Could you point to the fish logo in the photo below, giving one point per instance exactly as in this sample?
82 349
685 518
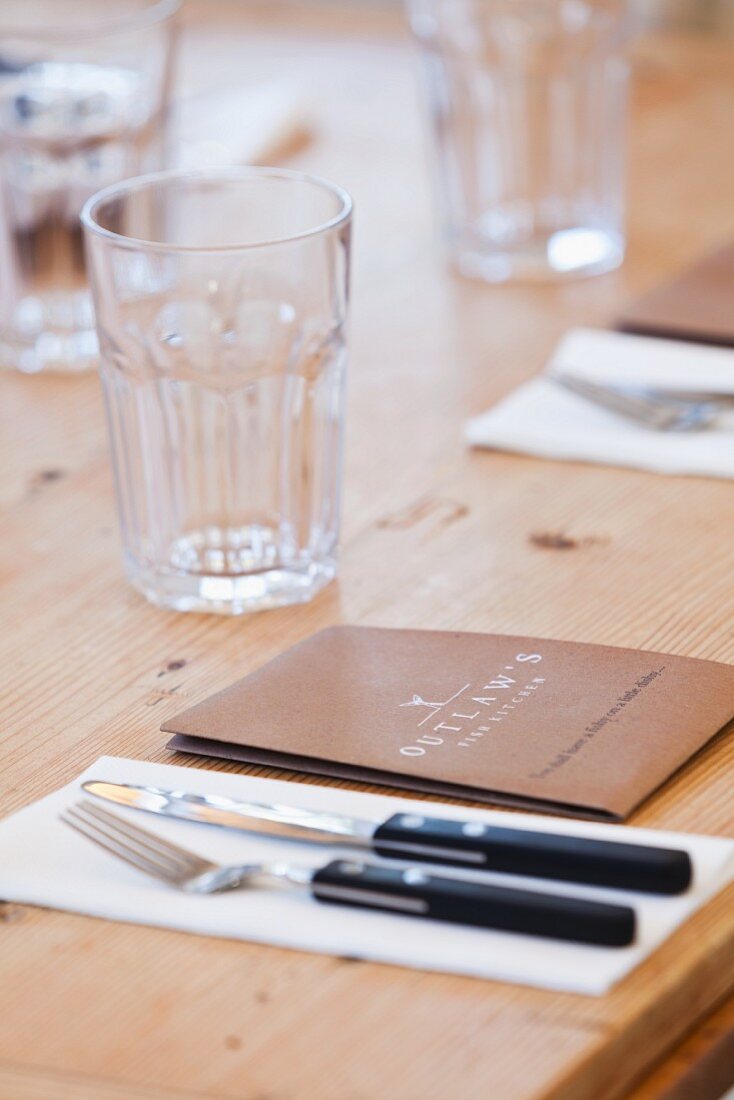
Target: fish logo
418 701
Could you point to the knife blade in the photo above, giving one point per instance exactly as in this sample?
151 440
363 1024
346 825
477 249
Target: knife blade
410 835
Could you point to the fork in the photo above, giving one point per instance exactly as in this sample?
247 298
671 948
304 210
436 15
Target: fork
401 890
664 412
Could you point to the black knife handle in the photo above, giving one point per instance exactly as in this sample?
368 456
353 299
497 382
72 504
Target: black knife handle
472 844
412 892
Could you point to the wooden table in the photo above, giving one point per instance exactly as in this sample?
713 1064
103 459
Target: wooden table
434 536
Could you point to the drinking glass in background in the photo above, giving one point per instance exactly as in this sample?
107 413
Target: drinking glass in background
84 89
221 302
528 104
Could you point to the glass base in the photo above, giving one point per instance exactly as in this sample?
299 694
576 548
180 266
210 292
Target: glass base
51 332
565 254
220 594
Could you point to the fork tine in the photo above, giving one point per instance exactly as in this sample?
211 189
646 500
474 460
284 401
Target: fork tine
152 845
82 826
124 838
136 846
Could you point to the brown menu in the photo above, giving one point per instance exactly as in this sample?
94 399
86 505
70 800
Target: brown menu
694 305
558 726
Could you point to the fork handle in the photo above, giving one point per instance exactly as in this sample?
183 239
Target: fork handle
412 892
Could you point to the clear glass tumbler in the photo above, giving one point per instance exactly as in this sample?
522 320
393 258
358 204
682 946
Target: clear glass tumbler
84 87
528 105
221 302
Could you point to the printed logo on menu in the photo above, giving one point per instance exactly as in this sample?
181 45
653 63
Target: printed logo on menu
474 710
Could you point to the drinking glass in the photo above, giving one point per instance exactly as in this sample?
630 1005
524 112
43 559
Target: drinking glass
528 103
84 87
221 302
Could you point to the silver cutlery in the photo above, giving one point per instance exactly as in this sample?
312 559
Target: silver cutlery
413 836
401 890
663 411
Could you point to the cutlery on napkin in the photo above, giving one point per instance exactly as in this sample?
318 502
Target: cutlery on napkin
352 882
43 862
470 844
548 420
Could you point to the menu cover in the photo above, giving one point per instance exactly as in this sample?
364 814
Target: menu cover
565 727
693 305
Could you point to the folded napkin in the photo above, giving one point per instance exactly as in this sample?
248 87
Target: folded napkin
540 418
257 125
44 862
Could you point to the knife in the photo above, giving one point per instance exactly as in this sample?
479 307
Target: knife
469 844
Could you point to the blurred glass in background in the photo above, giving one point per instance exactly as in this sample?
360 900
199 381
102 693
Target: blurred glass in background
643 13
84 88
527 100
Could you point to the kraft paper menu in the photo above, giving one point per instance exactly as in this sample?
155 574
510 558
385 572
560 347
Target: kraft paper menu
559 726
693 305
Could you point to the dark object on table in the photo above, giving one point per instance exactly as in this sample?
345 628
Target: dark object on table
694 305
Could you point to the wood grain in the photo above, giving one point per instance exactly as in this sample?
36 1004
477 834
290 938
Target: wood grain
702 1068
435 536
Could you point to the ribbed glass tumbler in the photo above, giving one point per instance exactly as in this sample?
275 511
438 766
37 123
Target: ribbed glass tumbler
221 303
527 102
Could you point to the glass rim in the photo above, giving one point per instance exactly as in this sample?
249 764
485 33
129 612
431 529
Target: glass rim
139 183
157 11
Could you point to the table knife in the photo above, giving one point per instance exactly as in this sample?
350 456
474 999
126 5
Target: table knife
410 835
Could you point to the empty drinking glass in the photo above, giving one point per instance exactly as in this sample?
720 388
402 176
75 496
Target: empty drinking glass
528 102
221 303
83 99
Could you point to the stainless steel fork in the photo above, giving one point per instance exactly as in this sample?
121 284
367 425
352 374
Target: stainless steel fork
154 856
663 411
404 890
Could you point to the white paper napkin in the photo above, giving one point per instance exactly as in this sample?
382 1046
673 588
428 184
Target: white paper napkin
540 418
44 862
254 125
